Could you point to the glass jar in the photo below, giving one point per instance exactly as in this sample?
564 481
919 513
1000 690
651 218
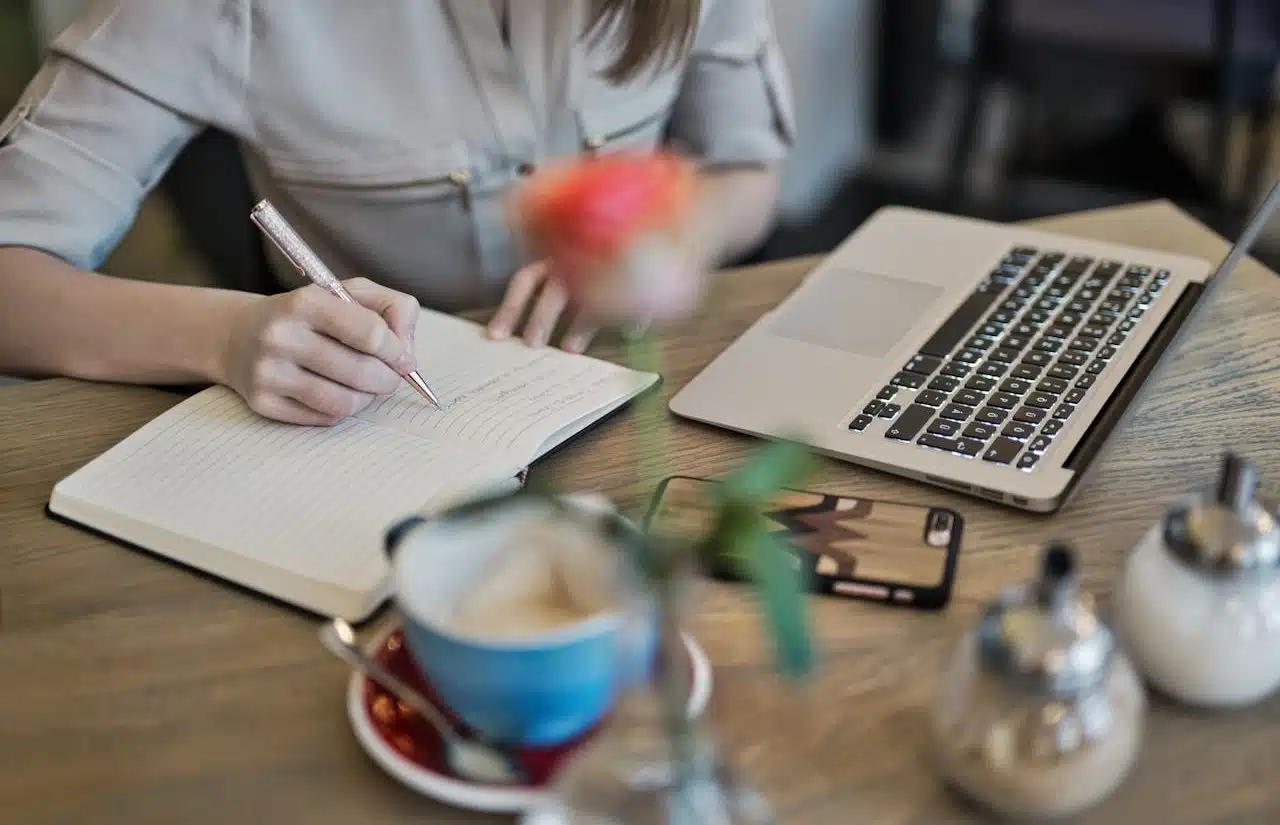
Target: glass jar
1199 601
1038 712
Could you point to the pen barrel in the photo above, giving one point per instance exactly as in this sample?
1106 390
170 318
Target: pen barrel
291 245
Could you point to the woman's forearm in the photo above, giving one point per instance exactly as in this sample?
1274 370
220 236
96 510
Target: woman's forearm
734 212
59 320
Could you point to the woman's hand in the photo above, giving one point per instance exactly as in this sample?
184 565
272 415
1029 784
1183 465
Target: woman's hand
307 357
533 286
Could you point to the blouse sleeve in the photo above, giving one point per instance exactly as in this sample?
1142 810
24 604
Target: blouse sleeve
735 102
120 93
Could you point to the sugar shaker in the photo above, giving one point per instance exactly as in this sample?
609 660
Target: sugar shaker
1199 602
1039 712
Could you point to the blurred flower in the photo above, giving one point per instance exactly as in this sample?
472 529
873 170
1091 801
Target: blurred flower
615 229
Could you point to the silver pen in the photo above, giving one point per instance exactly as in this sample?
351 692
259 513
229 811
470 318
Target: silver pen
290 243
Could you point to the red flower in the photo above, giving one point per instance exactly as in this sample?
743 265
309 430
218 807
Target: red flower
590 217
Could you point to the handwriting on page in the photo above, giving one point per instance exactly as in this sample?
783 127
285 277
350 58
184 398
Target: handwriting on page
500 395
314 501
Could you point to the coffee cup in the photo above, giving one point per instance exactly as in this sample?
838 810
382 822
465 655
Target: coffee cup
519 614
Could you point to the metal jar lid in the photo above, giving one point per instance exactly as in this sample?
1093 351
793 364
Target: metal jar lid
1226 532
1044 637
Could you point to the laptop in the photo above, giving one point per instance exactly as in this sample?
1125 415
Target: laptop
984 358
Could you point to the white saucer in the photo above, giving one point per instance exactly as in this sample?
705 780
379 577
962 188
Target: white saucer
461 793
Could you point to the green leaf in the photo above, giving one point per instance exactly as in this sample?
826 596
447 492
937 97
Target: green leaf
780 464
783 592
742 540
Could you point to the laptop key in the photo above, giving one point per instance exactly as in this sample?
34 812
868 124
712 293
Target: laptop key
1003 400
1053 385
860 423
1107 353
968 447
1096 367
991 415
1127 325
957 412
955 369
993 368
1063 371
967 356
954 329
1051 428
1030 415
937 442
1016 342
890 410
1075 396
979 430
1086 381
1038 359
933 398
980 383
1018 430
945 428
1064 411
910 423
923 365
1084 344
1042 400
873 408
1040 444
1048 345
1028 461
1058 331
1004 356
1079 306
908 379
1004 316
1117 339
1003 451
887 393
1092 331
991 330
943 384
970 398
1016 386
1075 359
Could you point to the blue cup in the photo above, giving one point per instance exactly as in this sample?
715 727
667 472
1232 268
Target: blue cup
539 687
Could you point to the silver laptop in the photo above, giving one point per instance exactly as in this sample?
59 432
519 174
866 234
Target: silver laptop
980 357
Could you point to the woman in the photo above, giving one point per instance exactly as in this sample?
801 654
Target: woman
390 134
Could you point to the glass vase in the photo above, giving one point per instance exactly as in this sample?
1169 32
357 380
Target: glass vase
653 763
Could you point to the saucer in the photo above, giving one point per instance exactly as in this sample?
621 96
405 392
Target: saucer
407 747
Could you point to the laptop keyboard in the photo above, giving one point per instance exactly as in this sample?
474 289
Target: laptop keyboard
1002 376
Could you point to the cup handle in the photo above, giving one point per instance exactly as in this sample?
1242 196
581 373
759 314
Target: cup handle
391 542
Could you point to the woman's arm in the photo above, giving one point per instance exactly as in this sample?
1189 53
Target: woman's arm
56 319
734 213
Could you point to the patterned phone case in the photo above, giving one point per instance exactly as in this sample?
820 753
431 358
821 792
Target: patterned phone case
900 554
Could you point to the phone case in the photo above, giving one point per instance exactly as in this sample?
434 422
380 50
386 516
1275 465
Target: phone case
899 554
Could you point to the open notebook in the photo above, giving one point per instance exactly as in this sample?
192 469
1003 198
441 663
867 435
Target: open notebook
299 513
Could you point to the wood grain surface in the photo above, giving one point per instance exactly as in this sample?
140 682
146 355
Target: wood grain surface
134 692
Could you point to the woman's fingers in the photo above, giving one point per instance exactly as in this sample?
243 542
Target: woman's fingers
326 397
524 285
400 311
579 335
546 312
329 359
291 412
353 325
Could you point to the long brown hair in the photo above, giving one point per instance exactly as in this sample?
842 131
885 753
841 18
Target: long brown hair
653 33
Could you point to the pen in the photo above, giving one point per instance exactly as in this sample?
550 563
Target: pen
291 245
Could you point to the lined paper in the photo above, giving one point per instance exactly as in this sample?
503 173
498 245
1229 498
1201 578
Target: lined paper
313 501
500 395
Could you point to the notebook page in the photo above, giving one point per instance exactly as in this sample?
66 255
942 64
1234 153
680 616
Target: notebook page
313 502
502 395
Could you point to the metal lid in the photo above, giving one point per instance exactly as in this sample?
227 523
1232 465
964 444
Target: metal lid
1044 636
1226 531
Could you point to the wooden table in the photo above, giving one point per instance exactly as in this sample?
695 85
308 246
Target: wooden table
133 692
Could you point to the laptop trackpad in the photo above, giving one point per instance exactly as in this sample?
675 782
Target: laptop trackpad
855 312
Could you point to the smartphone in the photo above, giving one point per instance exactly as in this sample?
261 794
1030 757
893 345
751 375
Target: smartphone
897 554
